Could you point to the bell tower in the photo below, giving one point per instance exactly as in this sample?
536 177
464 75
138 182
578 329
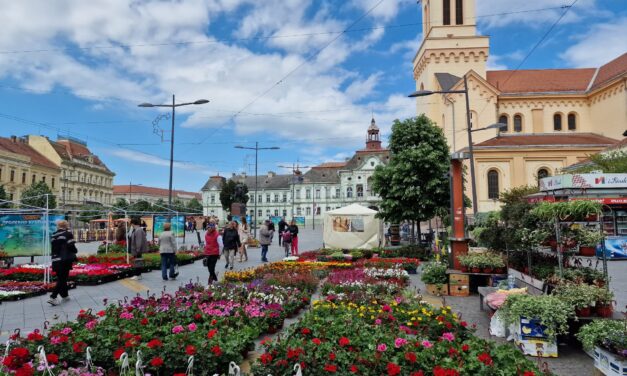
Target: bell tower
373 142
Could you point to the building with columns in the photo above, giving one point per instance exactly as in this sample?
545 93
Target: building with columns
554 117
325 187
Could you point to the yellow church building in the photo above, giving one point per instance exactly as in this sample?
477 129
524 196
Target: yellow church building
554 117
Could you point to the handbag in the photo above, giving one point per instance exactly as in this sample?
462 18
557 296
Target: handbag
205 262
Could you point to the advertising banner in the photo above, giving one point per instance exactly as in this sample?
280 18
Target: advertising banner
178 225
275 219
583 181
615 247
300 221
23 235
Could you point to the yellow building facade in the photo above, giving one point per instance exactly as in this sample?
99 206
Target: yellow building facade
554 117
21 166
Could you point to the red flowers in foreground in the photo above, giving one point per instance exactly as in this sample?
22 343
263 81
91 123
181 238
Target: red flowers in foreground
343 341
190 350
485 359
154 343
216 350
266 358
330 367
212 333
393 369
156 362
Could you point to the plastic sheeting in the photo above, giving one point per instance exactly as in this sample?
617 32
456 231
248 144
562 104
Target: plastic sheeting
352 227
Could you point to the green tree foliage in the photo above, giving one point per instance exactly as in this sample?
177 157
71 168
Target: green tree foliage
414 184
34 196
140 206
194 206
90 212
516 214
3 196
613 162
160 206
233 192
121 203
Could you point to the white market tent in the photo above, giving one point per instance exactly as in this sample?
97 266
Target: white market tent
352 227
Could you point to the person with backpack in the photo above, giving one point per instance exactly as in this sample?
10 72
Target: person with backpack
63 252
286 237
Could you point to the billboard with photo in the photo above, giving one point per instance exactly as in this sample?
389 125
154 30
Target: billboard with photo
300 221
23 234
178 225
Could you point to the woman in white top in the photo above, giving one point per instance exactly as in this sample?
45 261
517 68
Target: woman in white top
167 249
244 233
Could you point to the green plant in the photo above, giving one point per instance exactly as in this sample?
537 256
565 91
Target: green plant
588 237
594 333
434 273
112 248
550 310
482 260
604 296
578 295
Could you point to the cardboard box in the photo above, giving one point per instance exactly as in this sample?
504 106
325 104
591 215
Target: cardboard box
530 338
434 290
459 290
608 363
459 279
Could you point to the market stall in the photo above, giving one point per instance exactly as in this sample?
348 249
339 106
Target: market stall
352 227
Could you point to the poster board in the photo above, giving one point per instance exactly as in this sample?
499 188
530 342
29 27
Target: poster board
23 234
276 219
178 225
300 221
352 227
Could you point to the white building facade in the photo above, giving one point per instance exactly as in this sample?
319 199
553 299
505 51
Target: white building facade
324 187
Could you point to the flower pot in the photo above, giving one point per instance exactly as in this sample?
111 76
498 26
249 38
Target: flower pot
583 312
604 309
499 270
487 270
586 251
464 269
475 270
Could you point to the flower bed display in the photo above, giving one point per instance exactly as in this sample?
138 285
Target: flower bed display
82 274
12 290
408 264
354 283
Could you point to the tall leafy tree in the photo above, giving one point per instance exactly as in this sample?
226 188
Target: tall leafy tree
612 162
414 185
121 203
34 195
233 192
140 206
160 206
89 212
194 206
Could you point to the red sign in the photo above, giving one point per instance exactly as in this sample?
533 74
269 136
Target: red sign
604 200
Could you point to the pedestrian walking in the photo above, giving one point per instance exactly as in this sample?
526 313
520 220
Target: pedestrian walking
293 229
138 244
244 234
213 249
286 235
167 250
231 241
120 234
271 228
265 238
282 226
63 254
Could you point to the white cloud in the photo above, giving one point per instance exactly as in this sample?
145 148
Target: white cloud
359 89
494 63
138 157
602 43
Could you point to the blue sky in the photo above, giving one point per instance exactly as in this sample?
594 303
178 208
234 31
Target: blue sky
276 71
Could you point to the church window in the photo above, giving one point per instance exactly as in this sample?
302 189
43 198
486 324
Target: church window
446 8
517 123
349 192
557 122
572 121
542 173
360 190
493 184
503 119
459 12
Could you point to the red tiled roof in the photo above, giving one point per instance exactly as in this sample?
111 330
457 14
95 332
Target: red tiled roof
611 70
541 80
330 165
74 148
548 139
68 149
22 148
619 145
153 191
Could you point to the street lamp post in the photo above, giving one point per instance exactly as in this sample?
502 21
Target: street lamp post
256 149
130 191
423 93
172 106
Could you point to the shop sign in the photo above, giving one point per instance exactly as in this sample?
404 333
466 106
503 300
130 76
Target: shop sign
566 181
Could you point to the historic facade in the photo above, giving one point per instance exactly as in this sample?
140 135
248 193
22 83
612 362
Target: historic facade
133 193
553 117
324 187
84 177
21 166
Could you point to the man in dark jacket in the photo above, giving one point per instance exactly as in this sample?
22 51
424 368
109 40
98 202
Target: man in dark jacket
232 242
63 252
282 226
138 244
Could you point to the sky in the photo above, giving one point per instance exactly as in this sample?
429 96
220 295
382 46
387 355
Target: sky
302 75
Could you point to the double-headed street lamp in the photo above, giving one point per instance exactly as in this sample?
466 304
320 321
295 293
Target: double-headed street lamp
172 106
423 93
256 149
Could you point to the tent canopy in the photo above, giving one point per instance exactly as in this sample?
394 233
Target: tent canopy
353 209
352 227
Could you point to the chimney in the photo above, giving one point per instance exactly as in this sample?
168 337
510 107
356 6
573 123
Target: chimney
14 139
271 174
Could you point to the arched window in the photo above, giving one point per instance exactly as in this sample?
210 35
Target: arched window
459 12
446 12
557 122
349 192
493 185
542 173
572 121
517 123
503 119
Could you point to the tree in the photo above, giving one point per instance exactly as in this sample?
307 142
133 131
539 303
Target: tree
414 185
612 162
140 206
3 196
89 212
121 203
159 206
232 192
34 195
194 206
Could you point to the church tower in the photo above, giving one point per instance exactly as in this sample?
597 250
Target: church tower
373 142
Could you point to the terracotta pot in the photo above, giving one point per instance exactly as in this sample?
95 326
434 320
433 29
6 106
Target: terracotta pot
499 270
583 312
587 251
464 269
487 270
475 270
604 310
